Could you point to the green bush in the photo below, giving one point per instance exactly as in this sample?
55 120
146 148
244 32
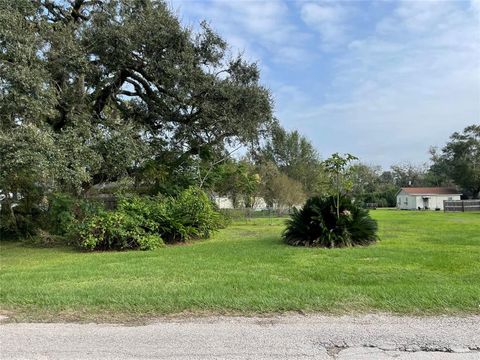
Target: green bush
19 218
190 215
65 212
53 216
145 222
316 224
195 213
137 223
60 215
116 230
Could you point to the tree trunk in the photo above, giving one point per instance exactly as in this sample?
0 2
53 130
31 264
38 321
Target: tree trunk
338 197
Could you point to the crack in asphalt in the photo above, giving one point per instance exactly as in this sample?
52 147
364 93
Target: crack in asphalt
334 350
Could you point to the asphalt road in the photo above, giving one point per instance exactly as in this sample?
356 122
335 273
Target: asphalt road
376 336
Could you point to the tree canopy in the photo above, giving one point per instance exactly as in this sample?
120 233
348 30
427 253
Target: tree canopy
111 88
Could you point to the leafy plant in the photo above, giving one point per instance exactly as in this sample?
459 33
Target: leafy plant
65 212
196 214
116 230
145 222
56 214
317 224
336 166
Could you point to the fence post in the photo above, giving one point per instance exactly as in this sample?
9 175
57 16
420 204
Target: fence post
463 206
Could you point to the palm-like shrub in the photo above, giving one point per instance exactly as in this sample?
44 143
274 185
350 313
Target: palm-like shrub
316 224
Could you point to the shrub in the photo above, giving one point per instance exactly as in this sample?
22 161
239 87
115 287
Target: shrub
60 216
55 214
191 215
19 215
316 224
116 230
65 212
144 222
196 214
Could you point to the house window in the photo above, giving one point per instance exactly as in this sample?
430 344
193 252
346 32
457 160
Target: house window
406 200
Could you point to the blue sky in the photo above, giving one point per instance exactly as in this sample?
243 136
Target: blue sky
383 80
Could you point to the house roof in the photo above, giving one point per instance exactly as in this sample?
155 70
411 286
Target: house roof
430 191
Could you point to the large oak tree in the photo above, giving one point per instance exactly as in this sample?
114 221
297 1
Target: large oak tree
114 87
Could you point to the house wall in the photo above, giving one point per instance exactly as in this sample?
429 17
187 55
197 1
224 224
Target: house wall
410 202
406 202
437 201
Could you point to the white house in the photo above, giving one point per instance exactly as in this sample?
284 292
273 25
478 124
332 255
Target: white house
425 198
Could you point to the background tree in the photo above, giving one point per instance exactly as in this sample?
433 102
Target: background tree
459 160
239 181
408 174
295 156
288 192
364 179
371 185
386 193
279 190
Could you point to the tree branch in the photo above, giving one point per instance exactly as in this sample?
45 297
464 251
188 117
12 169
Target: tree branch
107 91
202 181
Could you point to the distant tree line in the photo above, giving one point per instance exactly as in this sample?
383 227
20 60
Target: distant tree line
288 169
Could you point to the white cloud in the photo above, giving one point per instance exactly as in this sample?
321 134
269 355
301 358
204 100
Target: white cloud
406 83
262 28
424 15
330 20
475 5
405 87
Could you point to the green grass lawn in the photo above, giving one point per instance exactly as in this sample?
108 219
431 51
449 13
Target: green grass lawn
426 262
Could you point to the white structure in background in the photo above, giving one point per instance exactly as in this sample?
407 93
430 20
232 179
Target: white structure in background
425 198
224 202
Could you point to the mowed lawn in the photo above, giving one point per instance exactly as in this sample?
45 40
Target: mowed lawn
425 263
